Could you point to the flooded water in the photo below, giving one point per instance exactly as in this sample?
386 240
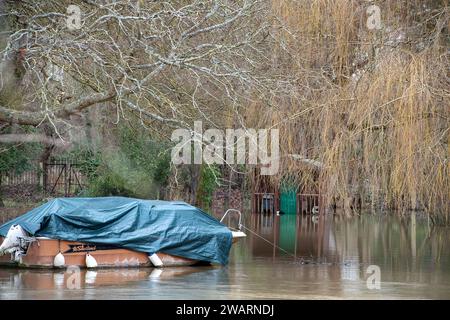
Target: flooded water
286 257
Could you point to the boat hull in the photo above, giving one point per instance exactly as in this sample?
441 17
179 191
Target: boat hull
41 254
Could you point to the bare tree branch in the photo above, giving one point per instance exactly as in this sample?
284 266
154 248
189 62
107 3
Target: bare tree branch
38 138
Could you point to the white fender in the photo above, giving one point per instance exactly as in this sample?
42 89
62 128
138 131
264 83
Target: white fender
157 262
90 261
12 238
59 260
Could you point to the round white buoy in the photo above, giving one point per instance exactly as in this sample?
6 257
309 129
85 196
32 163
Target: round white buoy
157 262
90 261
59 260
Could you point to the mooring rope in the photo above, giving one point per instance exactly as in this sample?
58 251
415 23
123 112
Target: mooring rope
268 241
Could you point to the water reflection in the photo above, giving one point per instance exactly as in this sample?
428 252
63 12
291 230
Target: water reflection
291 235
331 255
288 233
363 239
285 256
16 283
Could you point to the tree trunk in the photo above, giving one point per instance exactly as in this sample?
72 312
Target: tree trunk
1 200
195 182
45 156
227 199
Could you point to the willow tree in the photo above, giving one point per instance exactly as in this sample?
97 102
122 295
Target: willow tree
371 102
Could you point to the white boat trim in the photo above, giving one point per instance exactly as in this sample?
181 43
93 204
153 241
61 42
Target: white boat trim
238 234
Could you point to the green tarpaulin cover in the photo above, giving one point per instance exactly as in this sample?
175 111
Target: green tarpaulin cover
143 225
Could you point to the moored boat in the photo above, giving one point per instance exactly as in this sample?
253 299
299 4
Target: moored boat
115 232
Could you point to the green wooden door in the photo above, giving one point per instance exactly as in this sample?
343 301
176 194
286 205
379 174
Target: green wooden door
288 203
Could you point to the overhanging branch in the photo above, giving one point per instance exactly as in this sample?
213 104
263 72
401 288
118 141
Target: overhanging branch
37 138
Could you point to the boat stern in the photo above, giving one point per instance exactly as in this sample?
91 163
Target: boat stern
238 235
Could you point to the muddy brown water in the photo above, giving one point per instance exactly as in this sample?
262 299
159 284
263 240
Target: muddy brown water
283 257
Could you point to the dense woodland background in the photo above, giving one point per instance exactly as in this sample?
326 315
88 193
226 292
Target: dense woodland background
363 112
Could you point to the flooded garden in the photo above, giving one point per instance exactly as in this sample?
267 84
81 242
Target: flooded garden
126 126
